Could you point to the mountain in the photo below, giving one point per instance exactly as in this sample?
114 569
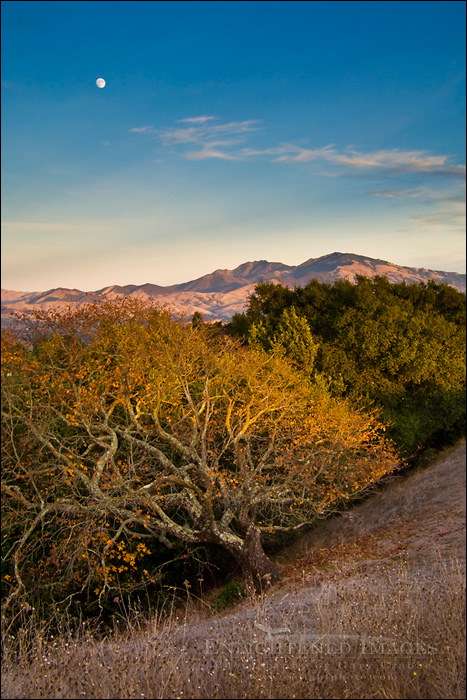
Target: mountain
222 293
227 280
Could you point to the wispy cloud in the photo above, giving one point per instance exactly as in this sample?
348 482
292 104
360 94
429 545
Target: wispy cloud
207 137
143 130
389 161
209 153
397 194
196 120
397 161
204 135
455 193
451 215
443 208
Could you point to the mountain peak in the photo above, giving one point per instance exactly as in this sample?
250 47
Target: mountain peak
222 293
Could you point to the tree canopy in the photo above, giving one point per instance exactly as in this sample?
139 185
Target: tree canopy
125 429
397 346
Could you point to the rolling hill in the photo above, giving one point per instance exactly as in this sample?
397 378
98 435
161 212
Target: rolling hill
222 293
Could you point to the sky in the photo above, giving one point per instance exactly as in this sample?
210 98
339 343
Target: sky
228 132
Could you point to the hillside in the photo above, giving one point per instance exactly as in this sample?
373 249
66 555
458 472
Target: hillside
372 604
221 294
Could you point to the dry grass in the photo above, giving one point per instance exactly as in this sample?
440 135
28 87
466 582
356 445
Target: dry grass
380 617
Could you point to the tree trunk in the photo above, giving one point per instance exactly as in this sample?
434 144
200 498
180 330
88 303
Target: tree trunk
253 561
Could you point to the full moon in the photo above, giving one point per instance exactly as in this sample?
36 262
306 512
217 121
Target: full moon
100 82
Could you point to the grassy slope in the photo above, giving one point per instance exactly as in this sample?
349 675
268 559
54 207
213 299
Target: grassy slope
390 571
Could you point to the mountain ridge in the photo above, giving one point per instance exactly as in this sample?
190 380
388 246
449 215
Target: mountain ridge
223 292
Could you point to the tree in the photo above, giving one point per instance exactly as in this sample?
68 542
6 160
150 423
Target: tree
197 319
292 338
397 346
123 427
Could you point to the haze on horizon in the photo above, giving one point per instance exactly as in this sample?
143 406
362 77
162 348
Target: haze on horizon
227 132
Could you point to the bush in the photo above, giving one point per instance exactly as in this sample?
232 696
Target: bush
232 594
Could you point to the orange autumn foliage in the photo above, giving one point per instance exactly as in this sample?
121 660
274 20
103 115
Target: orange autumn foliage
123 426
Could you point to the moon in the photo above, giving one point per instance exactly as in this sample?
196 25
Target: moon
100 82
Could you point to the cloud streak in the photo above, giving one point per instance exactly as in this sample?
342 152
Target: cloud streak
451 215
396 161
204 137
454 194
196 120
444 208
207 135
142 130
201 139
205 153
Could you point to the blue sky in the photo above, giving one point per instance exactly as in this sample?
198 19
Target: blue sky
227 132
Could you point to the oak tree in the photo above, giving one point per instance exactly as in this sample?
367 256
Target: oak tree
123 427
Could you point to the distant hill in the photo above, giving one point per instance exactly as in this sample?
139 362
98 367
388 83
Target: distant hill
222 293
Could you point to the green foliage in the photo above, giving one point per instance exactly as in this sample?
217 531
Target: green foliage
291 338
397 346
232 594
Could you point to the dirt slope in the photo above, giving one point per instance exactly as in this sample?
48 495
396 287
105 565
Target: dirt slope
371 606
418 519
408 534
